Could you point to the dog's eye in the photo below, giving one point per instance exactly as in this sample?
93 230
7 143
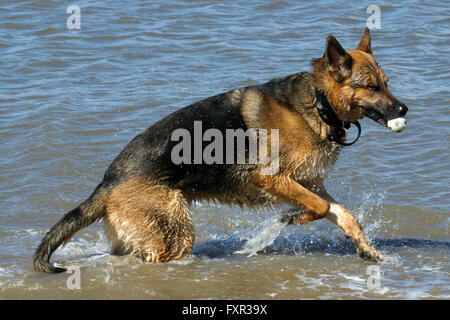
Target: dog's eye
374 88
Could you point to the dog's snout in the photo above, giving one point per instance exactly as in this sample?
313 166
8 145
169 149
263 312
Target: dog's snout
401 109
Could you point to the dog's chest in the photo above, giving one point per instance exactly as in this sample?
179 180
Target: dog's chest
313 165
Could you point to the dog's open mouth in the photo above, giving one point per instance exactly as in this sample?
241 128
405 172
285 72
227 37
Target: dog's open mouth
376 116
396 125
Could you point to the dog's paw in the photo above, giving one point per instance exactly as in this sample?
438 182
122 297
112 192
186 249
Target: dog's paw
287 218
371 254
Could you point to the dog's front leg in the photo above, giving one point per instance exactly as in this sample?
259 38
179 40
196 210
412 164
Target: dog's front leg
288 190
351 227
343 219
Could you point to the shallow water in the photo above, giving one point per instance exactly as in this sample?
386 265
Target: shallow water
70 100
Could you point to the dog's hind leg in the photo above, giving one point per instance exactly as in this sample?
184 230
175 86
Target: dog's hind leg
148 220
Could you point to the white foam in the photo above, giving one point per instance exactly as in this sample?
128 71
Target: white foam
85 247
354 278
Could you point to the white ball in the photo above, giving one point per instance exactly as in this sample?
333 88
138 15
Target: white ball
397 124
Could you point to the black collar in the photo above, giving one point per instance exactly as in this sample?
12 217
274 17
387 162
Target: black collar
338 126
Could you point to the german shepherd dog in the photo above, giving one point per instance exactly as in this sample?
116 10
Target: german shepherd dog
144 197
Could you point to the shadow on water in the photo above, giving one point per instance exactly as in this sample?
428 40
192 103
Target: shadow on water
283 245
292 245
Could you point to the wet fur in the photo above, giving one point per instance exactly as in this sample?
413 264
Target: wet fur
144 197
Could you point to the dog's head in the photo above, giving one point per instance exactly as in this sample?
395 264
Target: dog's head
356 85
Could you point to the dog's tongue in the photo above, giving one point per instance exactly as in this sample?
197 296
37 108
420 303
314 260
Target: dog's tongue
382 122
397 124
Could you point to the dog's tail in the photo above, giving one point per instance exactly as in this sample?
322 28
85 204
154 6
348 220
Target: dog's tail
86 213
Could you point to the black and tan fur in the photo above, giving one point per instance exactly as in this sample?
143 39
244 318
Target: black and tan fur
144 197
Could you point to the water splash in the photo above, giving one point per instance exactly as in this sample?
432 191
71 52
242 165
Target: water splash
369 212
270 231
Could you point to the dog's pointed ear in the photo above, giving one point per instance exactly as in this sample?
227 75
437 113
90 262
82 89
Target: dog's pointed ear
338 61
365 43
